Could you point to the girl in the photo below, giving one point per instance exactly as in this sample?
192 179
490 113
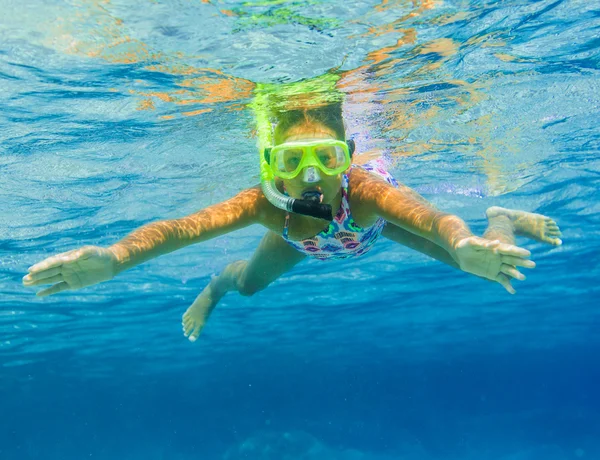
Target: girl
306 172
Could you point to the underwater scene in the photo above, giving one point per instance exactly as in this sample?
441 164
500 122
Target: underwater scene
176 116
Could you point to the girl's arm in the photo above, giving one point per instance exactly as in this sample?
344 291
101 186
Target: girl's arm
93 264
405 208
158 238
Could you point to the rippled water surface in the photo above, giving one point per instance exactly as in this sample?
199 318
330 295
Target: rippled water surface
114 114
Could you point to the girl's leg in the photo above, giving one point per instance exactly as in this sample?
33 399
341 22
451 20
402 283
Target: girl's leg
272 258
504 224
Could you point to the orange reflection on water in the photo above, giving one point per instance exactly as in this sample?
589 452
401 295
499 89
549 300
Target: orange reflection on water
124 51
196 112
420 5
216 88
175 68
409 36
446 19
356 82
92 30
146 104
213 88
398 24
388 84
444 47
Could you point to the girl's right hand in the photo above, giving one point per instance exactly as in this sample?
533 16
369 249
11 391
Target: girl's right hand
493 260
73 270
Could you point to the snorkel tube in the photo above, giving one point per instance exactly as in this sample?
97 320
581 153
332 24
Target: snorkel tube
270 98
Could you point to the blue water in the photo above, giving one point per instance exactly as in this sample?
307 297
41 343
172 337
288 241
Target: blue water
114 114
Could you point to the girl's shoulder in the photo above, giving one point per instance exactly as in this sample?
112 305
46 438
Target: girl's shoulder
268 215
364 187
362 179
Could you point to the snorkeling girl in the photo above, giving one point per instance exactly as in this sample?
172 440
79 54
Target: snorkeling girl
314 202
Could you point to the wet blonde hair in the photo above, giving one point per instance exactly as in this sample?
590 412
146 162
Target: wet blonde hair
329 116
279 106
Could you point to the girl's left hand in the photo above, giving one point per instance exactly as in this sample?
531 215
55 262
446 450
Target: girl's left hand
493 260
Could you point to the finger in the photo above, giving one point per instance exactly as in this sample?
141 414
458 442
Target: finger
505 282
518 262
512 271
50 262
53 289
54 261
512 250
53 279
491 244
33 279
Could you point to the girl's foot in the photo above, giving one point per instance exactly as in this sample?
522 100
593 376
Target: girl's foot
195 316
535 226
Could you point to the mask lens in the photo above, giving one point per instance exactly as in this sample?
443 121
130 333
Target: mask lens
289 159
331 157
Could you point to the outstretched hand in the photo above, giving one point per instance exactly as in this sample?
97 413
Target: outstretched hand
72 270
493 260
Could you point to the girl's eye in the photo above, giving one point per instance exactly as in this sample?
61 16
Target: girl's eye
326 156
292 159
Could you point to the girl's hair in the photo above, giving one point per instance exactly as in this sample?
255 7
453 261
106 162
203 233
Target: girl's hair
277 107
329 116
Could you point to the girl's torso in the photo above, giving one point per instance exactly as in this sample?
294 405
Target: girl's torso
354 228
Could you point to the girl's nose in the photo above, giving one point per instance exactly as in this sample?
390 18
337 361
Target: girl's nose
311 175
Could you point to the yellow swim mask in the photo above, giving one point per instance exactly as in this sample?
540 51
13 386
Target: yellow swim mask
330 156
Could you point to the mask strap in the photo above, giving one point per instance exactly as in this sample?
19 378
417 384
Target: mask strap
351 146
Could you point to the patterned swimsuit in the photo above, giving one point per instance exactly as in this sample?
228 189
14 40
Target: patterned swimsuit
343 238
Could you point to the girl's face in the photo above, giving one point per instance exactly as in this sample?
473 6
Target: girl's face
328 186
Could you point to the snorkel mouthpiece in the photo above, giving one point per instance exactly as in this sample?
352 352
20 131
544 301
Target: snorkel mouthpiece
308 206
311 201
313 195
312 208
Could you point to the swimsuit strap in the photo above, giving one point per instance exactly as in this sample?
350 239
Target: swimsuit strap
286 225
345 183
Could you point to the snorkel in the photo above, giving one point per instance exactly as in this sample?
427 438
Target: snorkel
266 101
310 205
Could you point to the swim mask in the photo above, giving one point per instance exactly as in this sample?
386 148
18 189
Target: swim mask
331 156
